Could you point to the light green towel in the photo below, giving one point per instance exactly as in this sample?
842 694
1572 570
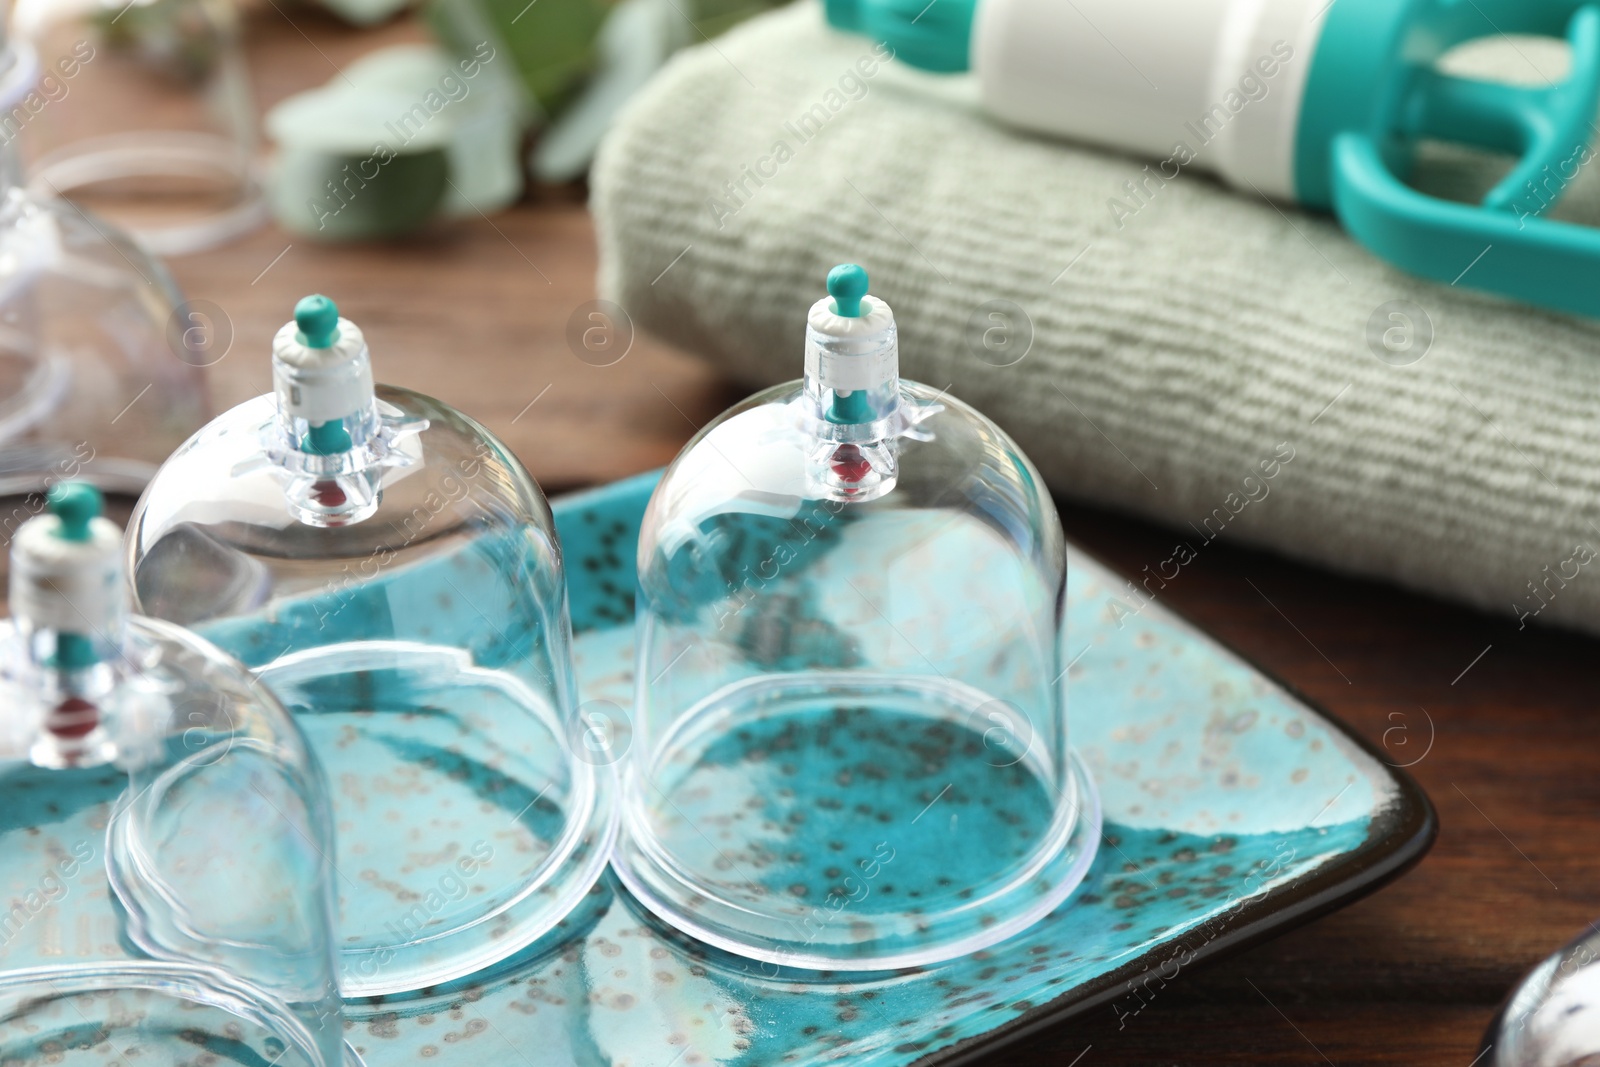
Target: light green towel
1177 355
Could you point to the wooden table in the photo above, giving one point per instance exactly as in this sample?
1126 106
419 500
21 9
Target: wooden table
477 316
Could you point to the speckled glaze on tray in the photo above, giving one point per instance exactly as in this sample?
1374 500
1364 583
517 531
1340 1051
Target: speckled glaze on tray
1232 811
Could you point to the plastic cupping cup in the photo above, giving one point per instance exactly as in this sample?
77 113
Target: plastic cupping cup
850 746
99 357
164 831
390 570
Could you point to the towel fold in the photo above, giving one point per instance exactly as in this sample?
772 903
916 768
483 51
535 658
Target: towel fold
1228 366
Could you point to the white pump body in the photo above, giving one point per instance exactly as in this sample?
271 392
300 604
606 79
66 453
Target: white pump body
1216 84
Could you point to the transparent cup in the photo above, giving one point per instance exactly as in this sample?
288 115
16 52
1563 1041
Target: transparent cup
851 749
164 834
1552 1019
142 113
96 379
393 575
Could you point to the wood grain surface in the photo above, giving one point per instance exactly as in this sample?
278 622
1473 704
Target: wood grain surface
1503 721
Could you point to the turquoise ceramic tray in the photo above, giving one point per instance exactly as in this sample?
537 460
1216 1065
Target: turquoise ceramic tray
1233 811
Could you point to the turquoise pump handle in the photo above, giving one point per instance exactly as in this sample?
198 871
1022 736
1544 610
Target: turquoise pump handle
1549 128
1356 166
1550 264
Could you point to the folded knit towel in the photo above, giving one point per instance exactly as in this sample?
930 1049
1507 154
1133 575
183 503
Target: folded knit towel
1208 359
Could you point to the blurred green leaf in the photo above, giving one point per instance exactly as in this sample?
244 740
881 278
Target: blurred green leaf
181 39
551 42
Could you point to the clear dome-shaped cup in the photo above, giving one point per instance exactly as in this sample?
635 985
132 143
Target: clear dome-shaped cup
143 114
92 383
164 832
1552 1019
850 745
391 572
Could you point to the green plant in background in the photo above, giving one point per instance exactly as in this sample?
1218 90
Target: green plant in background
580 60
407 134
712 17
412 133
551 43
181 39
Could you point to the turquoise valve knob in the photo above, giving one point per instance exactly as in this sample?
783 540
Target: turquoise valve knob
76 504
318 320
847 284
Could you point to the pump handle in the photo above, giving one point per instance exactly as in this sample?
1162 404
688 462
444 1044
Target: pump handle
1505 245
